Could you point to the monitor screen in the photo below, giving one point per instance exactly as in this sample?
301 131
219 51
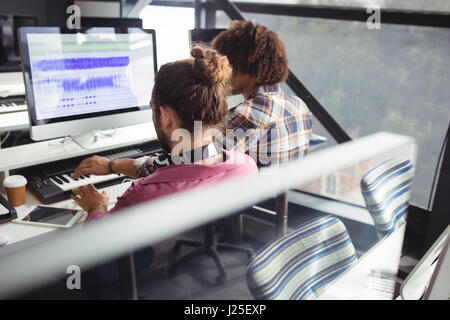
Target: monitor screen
9 44
203 36
86 74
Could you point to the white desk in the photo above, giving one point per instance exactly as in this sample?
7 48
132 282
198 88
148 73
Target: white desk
17 232
14 121
49 151
53 150
11 84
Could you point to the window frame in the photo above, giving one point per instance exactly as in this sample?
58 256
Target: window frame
205 18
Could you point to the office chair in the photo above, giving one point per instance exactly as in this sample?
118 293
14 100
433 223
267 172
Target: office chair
210 243
121 270
209 246
301 264
386 191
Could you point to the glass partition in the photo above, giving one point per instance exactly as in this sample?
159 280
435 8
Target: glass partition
419 5
394 79
186 212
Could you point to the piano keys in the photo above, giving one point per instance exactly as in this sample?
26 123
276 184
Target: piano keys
14 104
51 182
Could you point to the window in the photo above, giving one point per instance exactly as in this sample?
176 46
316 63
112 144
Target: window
172 25
395 79
419 5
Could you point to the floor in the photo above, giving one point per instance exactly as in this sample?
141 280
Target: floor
196 280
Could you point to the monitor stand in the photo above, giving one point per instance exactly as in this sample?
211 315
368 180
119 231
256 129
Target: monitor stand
107 138
96 139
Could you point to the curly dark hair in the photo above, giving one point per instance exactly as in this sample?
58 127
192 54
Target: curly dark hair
255 50
196 88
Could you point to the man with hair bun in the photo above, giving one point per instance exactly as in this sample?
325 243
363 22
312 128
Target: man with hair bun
185 91
276 125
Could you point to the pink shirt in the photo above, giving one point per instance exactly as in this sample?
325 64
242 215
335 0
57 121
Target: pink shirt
175 178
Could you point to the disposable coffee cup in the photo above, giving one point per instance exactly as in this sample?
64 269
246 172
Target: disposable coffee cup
15 189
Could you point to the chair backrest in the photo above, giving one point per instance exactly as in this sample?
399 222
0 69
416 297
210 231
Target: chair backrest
386 191
302 263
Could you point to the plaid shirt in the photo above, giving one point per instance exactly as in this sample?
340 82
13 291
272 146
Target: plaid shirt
271 126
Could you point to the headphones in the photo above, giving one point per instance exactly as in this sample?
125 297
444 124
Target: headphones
166 159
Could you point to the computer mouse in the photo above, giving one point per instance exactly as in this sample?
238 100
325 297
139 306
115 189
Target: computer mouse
3 239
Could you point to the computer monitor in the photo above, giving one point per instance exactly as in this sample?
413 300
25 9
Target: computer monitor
9 44
430 278
83 80
203 36
122 23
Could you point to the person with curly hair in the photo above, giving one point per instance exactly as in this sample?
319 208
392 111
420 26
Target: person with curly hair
271 126
184 92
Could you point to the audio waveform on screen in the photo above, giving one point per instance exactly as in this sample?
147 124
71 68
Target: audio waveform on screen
77 85
81 63
71 85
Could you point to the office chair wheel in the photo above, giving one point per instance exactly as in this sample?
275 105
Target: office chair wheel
221 278
172 270
179 243
176 249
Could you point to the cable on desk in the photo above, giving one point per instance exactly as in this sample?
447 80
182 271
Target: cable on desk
5 138
59 142
109 135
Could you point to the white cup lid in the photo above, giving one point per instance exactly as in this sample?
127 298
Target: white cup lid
15 181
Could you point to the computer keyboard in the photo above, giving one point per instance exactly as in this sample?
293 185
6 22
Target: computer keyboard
378 286
51 182
115 191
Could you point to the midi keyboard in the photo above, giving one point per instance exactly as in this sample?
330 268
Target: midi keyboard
51 182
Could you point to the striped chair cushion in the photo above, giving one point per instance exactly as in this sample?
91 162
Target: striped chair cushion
386 191
300 264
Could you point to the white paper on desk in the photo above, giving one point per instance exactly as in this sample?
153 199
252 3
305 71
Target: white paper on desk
12 90
377 286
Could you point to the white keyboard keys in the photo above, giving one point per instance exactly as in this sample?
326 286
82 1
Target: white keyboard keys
12 107
66 183
115 191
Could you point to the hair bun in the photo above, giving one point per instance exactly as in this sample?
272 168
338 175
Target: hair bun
209 66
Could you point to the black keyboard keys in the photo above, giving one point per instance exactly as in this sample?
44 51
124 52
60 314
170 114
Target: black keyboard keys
57 179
